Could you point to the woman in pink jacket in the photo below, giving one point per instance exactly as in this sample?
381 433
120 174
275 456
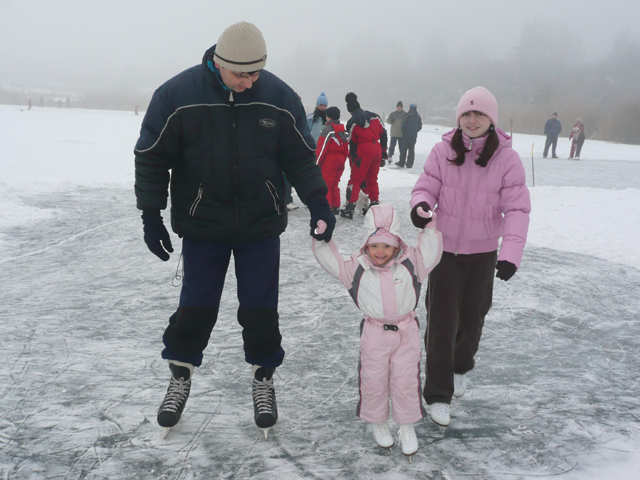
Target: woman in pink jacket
475 182
384 279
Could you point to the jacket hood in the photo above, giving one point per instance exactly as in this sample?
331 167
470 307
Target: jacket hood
382 218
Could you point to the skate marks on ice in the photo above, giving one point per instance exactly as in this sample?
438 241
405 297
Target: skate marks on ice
554 382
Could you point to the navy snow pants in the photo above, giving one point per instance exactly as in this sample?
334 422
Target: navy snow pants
205 267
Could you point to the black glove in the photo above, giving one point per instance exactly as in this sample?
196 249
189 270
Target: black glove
505 270
155 234
319 208
416 219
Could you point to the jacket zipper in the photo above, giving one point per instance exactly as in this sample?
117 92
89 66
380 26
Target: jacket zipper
234 165
466 198
196 201
273 191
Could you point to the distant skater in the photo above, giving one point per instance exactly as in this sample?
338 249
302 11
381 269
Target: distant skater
577 139
331 155
552 129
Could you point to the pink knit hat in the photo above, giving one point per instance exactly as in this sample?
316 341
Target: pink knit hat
382 235
481 100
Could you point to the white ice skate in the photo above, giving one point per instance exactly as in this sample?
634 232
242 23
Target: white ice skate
382 435
408 440
459 384
439 413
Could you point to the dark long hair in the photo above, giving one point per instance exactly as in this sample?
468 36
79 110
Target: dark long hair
490 147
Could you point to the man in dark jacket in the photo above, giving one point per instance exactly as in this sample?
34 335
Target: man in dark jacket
410 127
221 134
552 130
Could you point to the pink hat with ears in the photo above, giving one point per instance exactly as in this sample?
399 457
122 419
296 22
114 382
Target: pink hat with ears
481 100
384 236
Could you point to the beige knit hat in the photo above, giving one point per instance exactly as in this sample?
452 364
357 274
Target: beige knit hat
241 48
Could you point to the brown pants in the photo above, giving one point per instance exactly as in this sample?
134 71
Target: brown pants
458 298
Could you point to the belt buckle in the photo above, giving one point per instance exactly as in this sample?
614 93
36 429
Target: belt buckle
388 326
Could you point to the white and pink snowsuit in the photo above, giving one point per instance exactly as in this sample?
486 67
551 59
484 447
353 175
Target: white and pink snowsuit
390 340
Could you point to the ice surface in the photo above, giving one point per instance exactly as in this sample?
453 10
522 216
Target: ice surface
83 306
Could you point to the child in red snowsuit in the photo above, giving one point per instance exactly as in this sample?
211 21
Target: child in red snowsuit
331 154
367 148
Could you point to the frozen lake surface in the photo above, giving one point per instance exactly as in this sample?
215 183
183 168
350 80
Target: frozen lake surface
555 393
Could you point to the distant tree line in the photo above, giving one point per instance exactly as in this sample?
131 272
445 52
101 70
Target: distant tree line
548 70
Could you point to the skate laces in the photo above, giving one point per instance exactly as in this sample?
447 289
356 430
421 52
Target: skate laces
176 394
262 395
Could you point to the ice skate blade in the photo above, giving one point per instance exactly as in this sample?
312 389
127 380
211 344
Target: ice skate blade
386 447
265 432
409 456
439 424
163 433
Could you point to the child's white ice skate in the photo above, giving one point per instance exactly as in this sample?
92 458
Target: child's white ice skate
382 435
408 440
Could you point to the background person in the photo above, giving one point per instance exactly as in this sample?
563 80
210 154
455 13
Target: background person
331 154
411 126
396 119
552 129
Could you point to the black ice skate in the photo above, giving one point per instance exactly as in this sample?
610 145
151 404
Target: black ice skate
347 211
265 409
174 401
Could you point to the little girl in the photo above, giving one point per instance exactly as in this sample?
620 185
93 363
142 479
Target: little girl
384 279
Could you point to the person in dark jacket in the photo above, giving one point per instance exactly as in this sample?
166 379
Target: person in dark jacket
410 127
552 130
220 135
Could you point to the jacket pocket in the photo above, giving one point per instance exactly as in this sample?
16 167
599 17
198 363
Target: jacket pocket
196 201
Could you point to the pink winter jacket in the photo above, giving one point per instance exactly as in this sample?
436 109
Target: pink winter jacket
477 205
386 292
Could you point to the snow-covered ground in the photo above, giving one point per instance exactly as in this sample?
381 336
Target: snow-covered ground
555 393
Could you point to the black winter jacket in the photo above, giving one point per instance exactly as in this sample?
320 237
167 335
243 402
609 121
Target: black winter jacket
552 127
224 154
411 126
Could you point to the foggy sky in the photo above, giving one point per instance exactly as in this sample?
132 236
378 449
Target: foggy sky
137 45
